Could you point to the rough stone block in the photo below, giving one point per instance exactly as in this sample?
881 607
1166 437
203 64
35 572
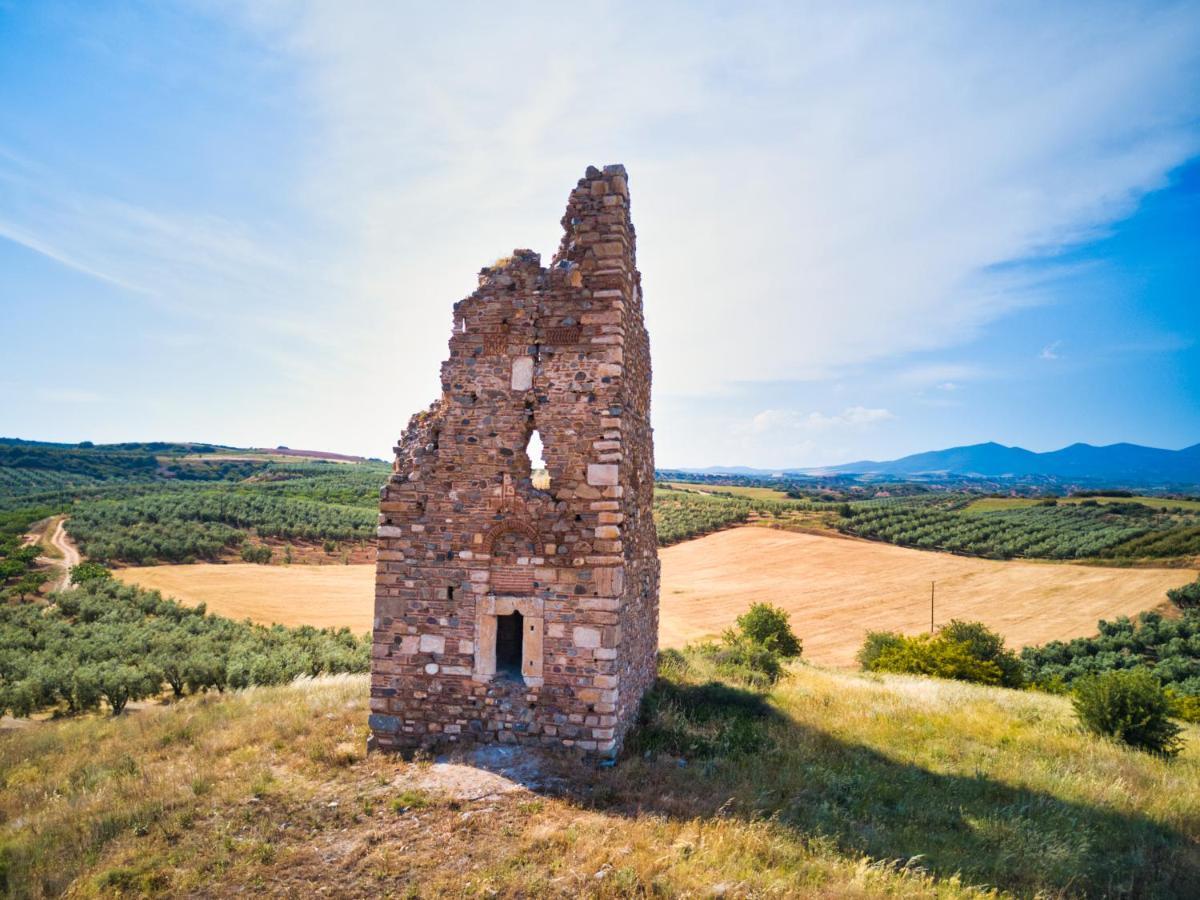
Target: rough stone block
601 474
433 643
382 724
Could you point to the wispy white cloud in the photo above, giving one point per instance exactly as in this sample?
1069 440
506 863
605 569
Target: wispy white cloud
786 419
67 395
1050 351
848 177
817 188
943 376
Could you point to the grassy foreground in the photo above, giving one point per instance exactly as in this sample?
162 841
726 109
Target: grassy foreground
837 785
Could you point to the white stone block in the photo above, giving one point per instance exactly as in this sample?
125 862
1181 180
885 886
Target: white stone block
522 373
433 643
586 637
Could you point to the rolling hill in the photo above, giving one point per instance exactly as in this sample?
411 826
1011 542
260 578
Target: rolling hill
1114 464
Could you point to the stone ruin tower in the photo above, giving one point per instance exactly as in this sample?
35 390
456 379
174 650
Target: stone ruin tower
509 612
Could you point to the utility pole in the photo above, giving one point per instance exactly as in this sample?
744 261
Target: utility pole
931 586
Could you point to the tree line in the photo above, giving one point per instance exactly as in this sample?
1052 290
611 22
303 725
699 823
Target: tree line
1086 530
189 525
105 642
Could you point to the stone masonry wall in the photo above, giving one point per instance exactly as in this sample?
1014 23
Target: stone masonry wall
465 537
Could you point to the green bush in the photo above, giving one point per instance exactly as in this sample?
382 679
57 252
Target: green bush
964 651
768 625
874 646
985 644
1186 597
1131 707
936 656
1185 706
252 553
740 659
89 571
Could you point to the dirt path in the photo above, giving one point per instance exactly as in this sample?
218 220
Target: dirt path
835 589
69 553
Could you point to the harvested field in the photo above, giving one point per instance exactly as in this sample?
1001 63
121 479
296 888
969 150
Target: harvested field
835 588
289 595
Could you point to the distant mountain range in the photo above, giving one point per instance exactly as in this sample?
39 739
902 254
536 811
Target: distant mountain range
1115 463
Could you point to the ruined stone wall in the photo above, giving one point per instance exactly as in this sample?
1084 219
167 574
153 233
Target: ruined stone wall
465 538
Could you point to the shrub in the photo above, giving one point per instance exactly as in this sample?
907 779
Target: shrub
260 554
89 571
1131 707
1185 706
875 644
936 656
1186 597
768 625
964 651
740 659
985 644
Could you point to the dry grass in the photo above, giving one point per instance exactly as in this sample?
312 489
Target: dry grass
870 787
836 589
754 493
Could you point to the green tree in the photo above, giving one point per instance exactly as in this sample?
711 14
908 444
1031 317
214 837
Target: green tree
89 571
120 682
1130 707
29 584
1186 597
769 626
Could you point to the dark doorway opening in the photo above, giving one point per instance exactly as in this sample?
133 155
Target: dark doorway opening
509 644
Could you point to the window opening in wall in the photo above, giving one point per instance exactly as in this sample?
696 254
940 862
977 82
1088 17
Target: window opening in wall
537 462
509 644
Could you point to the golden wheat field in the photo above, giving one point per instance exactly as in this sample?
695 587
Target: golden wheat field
836 590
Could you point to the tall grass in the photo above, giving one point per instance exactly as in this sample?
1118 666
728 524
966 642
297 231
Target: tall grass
830 785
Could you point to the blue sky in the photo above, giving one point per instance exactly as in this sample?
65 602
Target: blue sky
863 232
